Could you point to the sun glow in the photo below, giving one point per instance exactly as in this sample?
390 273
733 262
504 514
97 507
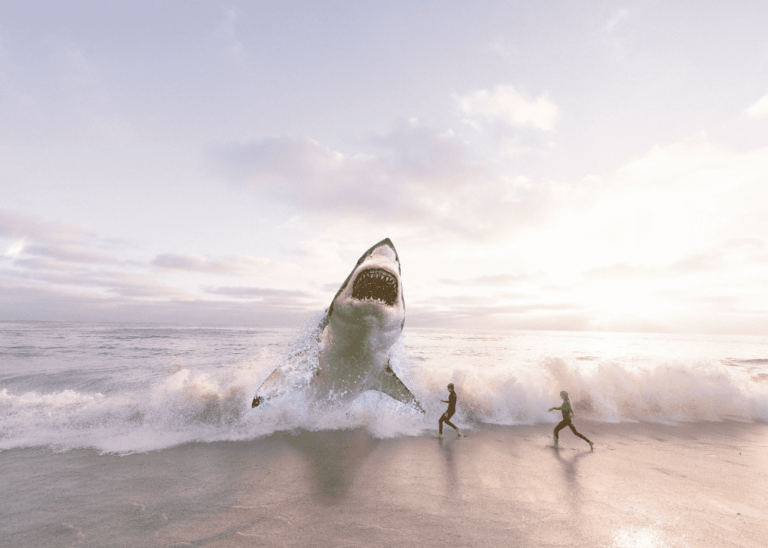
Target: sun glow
622 297
14 249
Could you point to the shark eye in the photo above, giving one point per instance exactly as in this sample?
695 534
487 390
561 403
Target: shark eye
377 285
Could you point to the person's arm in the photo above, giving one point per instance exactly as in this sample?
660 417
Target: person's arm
555 408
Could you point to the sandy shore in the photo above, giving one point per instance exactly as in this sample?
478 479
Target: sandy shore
643 485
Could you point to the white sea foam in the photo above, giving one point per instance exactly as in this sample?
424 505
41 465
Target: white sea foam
211 402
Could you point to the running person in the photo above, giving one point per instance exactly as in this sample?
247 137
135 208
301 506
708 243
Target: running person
567 418
445 417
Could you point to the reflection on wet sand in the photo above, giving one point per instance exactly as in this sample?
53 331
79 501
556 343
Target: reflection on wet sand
452 481
569 471
630 537
333 458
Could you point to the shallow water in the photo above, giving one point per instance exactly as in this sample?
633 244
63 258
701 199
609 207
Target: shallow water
128 388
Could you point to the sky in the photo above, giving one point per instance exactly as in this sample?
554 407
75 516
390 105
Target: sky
596 166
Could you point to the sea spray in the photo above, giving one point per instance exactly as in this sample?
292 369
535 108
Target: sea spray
188 388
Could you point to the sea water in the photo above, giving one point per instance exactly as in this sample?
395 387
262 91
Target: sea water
143 435
134 388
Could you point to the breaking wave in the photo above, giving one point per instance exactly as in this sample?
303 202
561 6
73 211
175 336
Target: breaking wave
197 403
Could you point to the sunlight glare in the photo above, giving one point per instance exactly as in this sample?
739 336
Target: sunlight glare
643 538
15 248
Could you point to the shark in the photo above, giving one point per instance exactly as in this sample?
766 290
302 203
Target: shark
355 336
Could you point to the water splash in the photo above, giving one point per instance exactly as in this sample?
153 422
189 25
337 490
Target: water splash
189 402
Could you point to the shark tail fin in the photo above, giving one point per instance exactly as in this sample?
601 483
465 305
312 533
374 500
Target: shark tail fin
388 383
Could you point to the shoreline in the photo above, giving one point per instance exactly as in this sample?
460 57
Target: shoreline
672 485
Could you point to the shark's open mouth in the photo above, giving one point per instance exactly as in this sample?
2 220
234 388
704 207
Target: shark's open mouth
375 284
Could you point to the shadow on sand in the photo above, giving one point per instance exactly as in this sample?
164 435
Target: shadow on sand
452 481
570 475
333 458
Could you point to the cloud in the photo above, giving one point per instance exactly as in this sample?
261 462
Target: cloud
620 16
56 276
427 159
49 249
616 44
675 201
57 270
420 180
281 295
59 257
63 240
15 248
620 271
414 177
140 286
501 47
729 256
39 264
409 160
18 225
474 306
759 109
66 304
493 280
235 266
563 317
694 157
504 105
233 47
71 254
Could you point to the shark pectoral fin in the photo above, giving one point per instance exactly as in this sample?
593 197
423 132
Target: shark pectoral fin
280 381
269 388
388 383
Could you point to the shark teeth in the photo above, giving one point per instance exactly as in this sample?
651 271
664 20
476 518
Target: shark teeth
375 285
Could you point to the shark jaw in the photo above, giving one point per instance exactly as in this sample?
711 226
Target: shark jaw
376 285
371 299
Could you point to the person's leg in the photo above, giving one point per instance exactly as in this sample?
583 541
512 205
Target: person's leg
446 417
449 423
573 429
442 420
562 424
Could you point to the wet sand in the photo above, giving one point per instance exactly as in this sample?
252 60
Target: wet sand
703 484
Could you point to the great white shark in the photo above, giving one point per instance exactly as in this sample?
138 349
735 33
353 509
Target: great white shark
356 334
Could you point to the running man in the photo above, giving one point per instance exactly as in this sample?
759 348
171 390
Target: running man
445 417
567 418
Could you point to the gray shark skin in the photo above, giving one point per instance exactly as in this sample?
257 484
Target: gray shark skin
357 331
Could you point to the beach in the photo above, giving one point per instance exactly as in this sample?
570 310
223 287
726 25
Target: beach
126 435
643 485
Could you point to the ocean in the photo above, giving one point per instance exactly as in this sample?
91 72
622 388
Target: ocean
143 435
